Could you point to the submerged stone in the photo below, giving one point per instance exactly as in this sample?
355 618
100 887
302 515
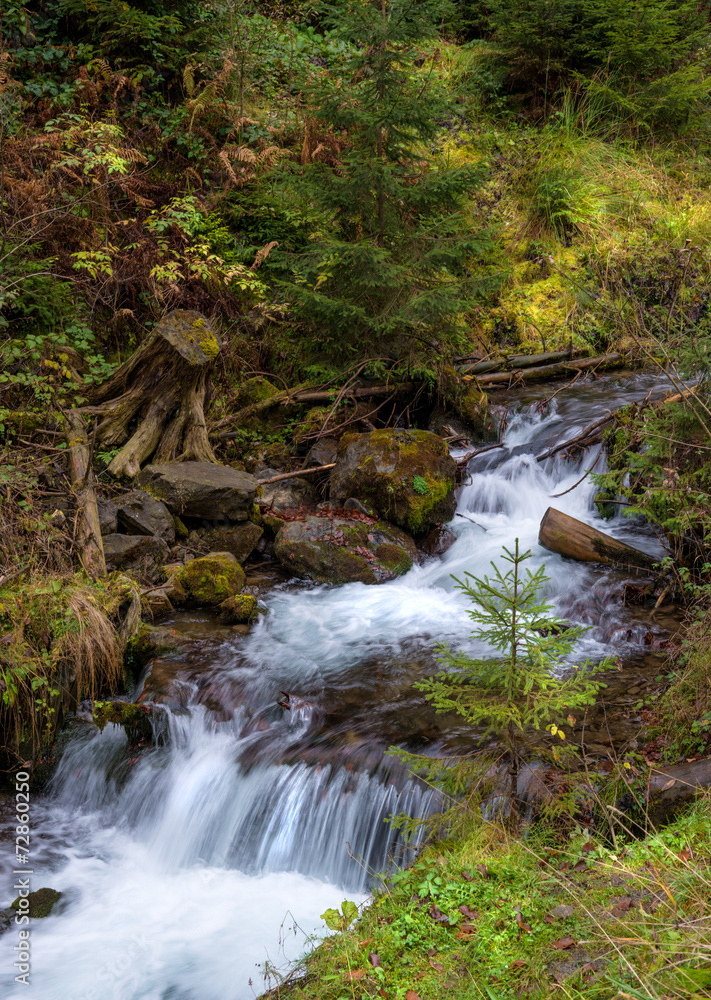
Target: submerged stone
41 903
340 550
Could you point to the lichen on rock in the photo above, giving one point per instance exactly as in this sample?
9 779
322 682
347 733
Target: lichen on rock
239 610
407 476
211 579
339 550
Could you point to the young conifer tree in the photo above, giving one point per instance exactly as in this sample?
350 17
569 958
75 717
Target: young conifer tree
390 259
528 686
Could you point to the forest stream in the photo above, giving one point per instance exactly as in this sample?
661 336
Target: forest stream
187 868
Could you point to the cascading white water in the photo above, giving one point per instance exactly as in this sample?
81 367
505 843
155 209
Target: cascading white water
178 868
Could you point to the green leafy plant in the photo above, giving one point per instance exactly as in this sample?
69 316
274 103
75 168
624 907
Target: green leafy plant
419 485
336 921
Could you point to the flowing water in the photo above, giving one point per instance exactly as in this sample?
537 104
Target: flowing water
187 868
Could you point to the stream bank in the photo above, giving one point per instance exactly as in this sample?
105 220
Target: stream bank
267 788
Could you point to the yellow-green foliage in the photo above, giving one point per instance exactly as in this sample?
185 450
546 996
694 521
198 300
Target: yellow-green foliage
481 919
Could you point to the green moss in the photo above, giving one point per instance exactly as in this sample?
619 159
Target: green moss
212 578
180 529
241 609
135 719
394 558
42 902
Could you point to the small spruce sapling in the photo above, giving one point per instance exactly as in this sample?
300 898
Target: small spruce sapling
529 685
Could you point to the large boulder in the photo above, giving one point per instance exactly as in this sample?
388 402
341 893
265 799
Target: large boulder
239 539
138 513
201 489
142 554
340 550
211 579
407 476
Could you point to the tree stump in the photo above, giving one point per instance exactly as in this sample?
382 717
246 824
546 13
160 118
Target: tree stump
158 397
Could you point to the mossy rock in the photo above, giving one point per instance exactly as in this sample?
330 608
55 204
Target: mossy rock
41 903
340 550
406 476
464 398
211 579
134 719
239 610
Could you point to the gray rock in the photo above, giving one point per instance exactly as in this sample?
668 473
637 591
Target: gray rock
108 517
141 514
289 494
7 918
136 552
323 452
438 541
239 539
201 489
353 504
563 911
340 550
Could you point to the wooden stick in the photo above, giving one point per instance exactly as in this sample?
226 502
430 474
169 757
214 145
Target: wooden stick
91 548
294 475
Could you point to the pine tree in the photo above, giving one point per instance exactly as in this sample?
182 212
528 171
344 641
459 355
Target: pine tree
390 261
529 686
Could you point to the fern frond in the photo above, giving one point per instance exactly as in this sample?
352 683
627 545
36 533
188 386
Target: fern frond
263 254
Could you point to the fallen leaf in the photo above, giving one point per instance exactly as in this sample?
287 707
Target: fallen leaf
467 912
467 876
362 944
436 965
411 995
622 906
684 855
549 919
581 866
669 784
587 847
355 974
518 964
437 914
483 871
374 960
565 942
382 992
520 921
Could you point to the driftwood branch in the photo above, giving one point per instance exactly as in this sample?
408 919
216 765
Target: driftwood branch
295 475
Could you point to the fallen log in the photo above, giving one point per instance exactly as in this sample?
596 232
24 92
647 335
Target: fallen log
604 362
569 537
517 361
297 397
88 534
164 384
580 438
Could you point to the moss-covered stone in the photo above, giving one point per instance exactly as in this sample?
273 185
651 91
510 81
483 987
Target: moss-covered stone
239 610
41 903
211 579
407 476
340 550
135 719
